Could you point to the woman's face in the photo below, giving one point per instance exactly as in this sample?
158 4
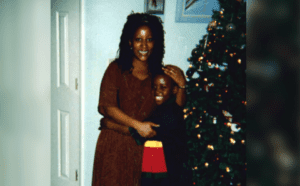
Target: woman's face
142 44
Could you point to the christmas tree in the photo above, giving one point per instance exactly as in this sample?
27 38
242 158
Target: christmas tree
215 112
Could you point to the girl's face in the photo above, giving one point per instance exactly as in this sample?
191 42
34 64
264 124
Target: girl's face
142 44
163 89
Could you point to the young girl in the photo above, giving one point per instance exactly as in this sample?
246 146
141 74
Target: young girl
126 98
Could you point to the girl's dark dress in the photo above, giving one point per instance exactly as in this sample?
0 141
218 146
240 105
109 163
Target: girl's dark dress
172 134
118 158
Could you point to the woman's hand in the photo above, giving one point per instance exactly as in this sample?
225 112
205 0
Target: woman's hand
176 74
145 129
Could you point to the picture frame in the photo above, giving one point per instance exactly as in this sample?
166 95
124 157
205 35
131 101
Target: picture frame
154 6
195 11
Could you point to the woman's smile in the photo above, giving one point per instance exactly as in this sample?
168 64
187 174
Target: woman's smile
143 52
159 98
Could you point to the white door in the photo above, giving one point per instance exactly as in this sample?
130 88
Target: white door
65 93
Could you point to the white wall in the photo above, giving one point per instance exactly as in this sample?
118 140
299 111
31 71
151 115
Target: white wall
25 93
104 21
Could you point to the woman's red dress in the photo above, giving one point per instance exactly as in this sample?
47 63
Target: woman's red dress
118 159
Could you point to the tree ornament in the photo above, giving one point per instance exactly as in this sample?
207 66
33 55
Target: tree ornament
230 27
227 115
243 46
205 44
233 127
212 24
194 52
214 120
190 72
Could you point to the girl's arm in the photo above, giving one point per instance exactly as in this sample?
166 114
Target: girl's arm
178 76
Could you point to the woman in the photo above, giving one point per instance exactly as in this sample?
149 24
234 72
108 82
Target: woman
126 98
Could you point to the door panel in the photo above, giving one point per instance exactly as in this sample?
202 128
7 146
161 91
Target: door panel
65 98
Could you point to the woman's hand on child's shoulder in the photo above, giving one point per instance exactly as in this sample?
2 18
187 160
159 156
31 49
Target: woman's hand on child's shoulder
176 74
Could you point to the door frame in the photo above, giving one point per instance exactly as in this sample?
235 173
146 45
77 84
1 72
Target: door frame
82 92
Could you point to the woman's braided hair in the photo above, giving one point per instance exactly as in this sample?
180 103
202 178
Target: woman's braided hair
134 21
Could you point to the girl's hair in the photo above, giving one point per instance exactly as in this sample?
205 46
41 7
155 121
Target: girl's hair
162 73
134 21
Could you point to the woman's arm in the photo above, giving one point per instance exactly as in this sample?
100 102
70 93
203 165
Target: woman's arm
178 76
111 124
143 128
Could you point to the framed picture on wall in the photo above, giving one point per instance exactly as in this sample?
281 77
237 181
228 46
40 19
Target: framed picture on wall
195 11
154 6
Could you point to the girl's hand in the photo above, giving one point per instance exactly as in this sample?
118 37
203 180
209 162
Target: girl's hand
176 74
145 129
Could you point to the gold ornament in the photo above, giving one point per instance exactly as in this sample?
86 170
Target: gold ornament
197 126
227 169
210 147
199 136
205 79
232 140
212 24
239 61
206 164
